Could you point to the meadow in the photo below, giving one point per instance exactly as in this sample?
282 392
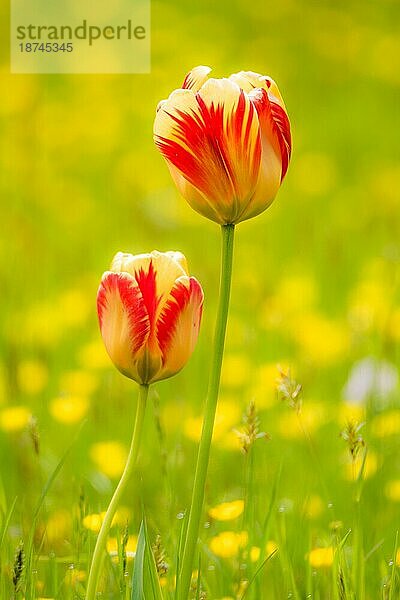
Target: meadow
303 491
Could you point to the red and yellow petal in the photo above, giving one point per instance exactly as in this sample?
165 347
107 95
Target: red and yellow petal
195 78
249 80
155 274
124 321
213 140
178 325
274 124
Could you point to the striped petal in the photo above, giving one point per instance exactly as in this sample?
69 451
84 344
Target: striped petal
195 78
212 139
155 274
274 125
178 325
249 80
124 321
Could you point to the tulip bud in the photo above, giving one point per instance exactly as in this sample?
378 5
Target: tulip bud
149 314
227 143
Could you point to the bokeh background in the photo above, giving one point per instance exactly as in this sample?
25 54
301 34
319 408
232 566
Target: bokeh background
315 282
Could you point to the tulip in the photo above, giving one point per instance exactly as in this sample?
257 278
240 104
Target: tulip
149 312
227 143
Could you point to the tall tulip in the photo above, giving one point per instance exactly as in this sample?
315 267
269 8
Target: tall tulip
227 144
149 313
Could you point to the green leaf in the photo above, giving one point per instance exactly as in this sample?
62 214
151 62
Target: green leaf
145 581
137 578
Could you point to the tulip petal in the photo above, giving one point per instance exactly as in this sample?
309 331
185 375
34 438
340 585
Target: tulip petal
123 319
248 81
178 325
213 140
155 274
195 78
272 115
282 124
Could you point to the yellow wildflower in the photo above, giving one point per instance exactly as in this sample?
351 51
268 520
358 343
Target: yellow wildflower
58 526
320 558
109 457
32 376
236 370
228 415
79 382
130 548
14 418
255 551
392 490
314 507
228 543
386 424
227 511
69 409
94 356
352 468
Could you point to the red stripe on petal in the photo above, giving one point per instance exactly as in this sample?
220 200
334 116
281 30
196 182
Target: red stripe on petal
146 280
114 285
282 124
180 298
214 149
276 117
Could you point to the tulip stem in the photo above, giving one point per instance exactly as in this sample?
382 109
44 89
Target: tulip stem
203 456
98 554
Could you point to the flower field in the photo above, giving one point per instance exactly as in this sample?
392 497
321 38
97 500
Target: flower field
302 497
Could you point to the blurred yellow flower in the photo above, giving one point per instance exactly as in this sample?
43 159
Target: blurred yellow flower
109 457
227 511
228 415
14 418
392 490
228 543
394 324
321 557
398 557
369 305
74 306
352 469
295 295
313 507
264 388
79 382
323 341
32 376
69 409
236 370
255 550
58 526
74 576
121 518
93 521
292 426
386 424
130 548
351 412
93 355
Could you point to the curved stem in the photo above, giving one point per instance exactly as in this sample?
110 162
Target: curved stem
209 415
98 554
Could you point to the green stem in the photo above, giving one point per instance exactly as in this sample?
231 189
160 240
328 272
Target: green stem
98 554
209 415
